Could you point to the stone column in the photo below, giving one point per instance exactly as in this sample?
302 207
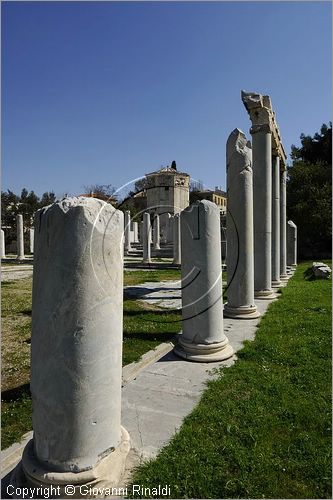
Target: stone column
283 226
276 222
176 240
3 246
20 237
135 232
76 348
141 233
146 238
291 244
240 263
127 230
31 239
157 232
170 228
203 338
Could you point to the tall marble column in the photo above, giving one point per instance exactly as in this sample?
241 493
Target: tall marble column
276 282
283 226
127 230
20 237
76 349
203 338
146 238
291 244
260 111
176 240
3 247
240 263
156 232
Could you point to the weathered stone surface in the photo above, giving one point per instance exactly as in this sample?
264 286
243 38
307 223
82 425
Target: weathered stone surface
135 232
3 246
127 232
291 244
276 222
76 346
240 229
31 239
283 226
321 270
156 232
203 338
176 240
146 238
20 237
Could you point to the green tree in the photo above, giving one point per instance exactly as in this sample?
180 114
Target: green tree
309 193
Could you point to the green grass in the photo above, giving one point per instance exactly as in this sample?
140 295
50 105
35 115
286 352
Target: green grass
145 327
263 428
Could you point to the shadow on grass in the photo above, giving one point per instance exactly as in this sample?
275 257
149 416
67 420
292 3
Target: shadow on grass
17 393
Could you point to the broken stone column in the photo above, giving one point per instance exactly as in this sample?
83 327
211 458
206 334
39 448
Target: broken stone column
31 239
176 240
203 338
276 282
283 226
127 231
3 246
135 232
260 111
240 263
76 348
146 238
292 244
20 237
157 232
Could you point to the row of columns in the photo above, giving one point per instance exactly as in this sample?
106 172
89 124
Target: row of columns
19 239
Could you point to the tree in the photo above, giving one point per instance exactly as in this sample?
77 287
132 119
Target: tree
104 190
309 193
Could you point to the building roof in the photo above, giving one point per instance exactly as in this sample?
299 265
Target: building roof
167 170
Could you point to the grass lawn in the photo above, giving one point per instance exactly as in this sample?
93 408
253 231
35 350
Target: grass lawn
263 428
145 327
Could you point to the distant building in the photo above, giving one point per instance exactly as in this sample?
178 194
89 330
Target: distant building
167 191
217 196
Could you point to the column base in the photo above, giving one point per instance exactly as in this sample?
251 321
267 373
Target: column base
105 475
204 353
245 312
284 277
146 261
276 284
176 262
157 247
264 294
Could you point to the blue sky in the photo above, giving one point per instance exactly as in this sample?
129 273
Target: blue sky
104 92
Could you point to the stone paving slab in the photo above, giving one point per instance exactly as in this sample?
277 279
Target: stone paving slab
12 273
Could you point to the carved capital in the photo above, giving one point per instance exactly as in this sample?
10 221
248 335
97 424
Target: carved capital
264 127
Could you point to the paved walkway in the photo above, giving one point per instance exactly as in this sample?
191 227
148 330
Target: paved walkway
16 272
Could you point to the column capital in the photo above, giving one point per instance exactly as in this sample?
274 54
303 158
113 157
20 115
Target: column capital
263 127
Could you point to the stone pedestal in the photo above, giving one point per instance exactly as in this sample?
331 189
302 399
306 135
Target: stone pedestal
157 232
146 238
283 226
276 282
176 240
135 232
127 232
203 338
20 237
76 348
291 244
240 303
3 246
31 239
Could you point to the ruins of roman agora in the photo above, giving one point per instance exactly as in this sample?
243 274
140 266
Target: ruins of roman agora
83 431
